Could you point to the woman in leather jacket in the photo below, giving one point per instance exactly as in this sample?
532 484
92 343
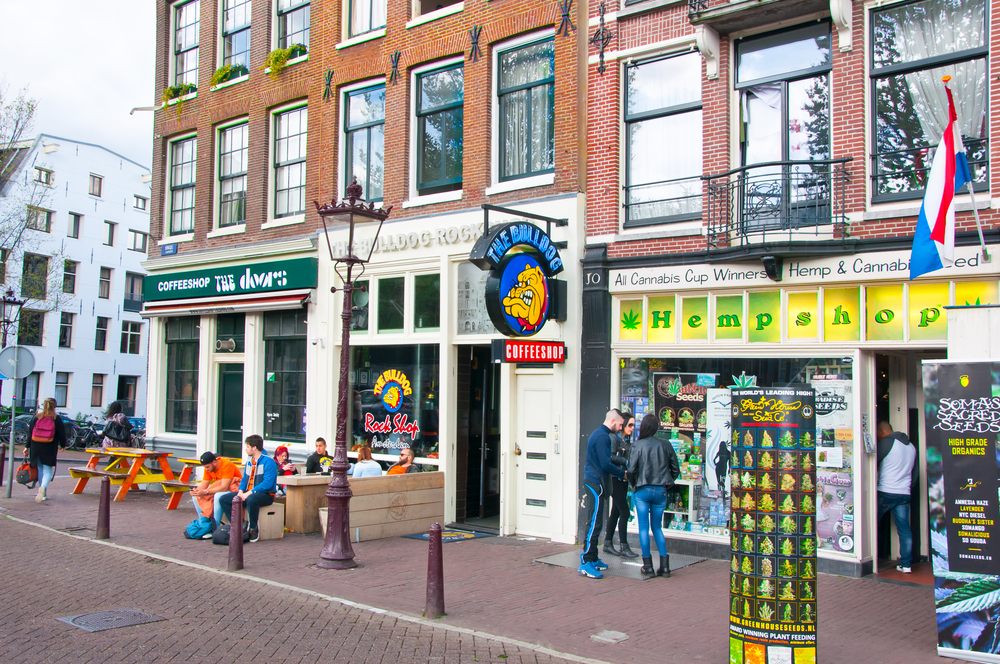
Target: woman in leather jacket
652 469
621 444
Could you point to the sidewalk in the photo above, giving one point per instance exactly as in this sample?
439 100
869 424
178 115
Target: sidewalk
492 585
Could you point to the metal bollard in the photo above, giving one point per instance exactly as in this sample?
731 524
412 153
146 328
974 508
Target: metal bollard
104 510
236 536
3 459
435 575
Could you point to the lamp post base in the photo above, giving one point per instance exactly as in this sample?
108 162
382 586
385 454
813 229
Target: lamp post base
337 551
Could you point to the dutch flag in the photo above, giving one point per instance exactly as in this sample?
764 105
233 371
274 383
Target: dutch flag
934 237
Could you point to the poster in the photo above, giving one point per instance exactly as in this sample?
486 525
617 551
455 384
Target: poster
714 506
679 401
773 529
834 461
962 420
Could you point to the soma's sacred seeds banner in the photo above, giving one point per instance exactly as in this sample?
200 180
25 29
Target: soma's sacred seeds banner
772 588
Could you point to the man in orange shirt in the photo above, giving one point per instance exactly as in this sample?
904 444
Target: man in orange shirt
221 476
405 463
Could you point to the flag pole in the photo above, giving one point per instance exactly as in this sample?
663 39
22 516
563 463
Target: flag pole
972 197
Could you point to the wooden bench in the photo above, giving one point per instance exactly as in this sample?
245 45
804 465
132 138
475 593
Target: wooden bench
393 505
78 473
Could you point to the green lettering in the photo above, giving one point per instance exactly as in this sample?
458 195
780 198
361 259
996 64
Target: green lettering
803 319
694 321
763 320
884 316
664 318
729 320
841 317
928 316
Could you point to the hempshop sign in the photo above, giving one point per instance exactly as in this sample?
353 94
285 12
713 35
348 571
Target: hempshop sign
232 280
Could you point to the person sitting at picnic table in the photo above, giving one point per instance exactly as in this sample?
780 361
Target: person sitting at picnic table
285 467
221 476
257 486
366 467
405 463
46 434
319 461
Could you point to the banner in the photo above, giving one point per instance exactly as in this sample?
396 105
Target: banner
962 420
679 401
773 529
835 461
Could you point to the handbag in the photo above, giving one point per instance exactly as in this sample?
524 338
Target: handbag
115 431
221 534
27 473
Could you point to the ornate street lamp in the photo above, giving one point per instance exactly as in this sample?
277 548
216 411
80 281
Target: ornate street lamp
363 221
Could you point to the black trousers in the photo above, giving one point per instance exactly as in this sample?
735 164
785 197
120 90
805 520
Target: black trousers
619 511
252 505
593 502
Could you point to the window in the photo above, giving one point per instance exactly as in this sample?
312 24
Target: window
233 153
104 286
101 340
140 202
183 159
186 26
34 276
39 219
236 33
290 162
137 241
359 306
366 16
31 328
27 391
133 292
75 221
427 302
293 23
285 375
96 185
364 129
527 110
69 276
43 176
131 335
440 98
182 374
4 254
65 330
913 46
109 233
663 105
62 388
127 388
390 304
97 391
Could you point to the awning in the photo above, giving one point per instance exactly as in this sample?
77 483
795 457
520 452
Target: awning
228 304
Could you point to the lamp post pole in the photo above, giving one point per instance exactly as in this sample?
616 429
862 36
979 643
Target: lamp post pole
11 310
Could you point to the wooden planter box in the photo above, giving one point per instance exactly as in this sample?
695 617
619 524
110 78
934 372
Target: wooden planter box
393 505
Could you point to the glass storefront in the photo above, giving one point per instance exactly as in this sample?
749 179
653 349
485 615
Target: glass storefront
285 366
691 399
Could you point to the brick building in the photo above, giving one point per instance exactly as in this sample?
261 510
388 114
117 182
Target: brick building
755 171
436 109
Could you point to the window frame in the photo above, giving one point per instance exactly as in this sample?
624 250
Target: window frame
444 185
241 57
302 375
221 179
97 390
101 335
275 166
41 328
104 283
96 185
61 388
133 235
109 239
349 19
75 225
34 214
498 93
347 140
174 189
65 329
177 77
43 175
36 259
69 276
131 338
145 202
180 344
282 40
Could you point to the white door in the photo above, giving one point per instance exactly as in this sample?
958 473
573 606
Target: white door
534 439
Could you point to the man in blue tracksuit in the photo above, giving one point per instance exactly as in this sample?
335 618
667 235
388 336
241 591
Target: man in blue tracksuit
598 466
257 486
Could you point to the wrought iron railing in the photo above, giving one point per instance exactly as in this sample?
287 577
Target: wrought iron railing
133 302
779 201
902 174
662 202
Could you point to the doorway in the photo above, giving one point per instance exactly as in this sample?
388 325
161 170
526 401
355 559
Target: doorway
231 410
477 499
126 394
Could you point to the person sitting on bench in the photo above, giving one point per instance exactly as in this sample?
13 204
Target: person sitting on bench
221 476
405 463
257 486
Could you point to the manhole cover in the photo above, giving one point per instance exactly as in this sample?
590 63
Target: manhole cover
102 620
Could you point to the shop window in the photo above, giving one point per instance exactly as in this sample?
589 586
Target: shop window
913 46
236 33
364 133
62 388
183 162
131 336
526 91
69 276
390 304
97 391
366 16
427 302
440 100
34 276
395 399
663 104
359 307
473 318
101 338
293 23
185 47
31 328
233 154
231 327
285 375
290 131
182 374
65 330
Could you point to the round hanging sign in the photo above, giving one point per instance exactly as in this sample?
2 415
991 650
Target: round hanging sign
517 295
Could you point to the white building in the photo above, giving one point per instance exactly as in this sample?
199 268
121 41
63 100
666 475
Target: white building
74 225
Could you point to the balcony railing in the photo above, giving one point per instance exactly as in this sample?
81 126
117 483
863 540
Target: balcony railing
662 202
133 302
779 201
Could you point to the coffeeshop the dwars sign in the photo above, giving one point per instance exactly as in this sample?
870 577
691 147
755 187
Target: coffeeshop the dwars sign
296 273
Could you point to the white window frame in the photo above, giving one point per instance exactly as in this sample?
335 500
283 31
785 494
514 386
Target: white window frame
348 39
64 386
217 230
172 55
43 175
168 204
342 135
272 117
109 233
132 235
141 199
220 48
100 183
79 226
34 213
275 29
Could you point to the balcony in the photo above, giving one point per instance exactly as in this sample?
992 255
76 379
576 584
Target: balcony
133 302
725 17
799 205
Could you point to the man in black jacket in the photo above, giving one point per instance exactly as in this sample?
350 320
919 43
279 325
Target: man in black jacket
598 465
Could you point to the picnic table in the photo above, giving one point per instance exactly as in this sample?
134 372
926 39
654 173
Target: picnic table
127 468
177 488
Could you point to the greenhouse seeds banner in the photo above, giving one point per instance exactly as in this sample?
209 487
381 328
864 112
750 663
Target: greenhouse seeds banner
962 421
773 528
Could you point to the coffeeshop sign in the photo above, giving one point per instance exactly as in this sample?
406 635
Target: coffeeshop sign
241 279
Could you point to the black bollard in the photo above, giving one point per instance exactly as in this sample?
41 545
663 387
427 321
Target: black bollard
236 536
435 575
104 510
3 459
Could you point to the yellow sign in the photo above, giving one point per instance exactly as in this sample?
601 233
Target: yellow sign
696 321
630 321
975 293
764 319
882 307
803 312
728 315
841 314
928 319
661 320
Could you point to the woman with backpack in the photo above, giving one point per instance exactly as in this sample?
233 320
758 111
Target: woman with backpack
117 429
46 434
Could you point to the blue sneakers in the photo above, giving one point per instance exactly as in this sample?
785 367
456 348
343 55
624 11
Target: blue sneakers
600 564
590 571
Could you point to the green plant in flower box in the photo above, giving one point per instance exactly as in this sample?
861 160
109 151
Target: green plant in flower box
178 92
278 59
227 73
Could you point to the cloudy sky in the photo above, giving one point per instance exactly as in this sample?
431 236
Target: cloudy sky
87 63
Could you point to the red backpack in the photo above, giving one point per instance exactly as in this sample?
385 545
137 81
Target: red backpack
44 431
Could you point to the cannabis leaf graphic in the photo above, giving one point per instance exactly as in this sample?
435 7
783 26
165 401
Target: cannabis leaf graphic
744 381
630 321
975 596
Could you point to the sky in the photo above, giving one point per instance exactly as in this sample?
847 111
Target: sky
87 63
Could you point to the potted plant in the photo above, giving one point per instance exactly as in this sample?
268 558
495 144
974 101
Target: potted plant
279 57
178 92
228 73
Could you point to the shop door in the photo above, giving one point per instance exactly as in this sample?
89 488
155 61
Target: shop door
231 410
533 452
478 449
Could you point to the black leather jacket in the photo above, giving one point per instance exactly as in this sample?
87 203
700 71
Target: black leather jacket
653 461
620 450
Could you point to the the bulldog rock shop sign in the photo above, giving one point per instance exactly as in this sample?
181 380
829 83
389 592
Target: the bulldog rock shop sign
521 291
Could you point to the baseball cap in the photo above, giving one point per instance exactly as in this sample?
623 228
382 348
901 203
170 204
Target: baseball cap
207 458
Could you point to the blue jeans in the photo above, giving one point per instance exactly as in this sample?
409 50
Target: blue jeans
45 474
650 501
900 506
217 509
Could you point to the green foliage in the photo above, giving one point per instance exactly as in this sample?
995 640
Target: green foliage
279 57
227 73
178 92
630 321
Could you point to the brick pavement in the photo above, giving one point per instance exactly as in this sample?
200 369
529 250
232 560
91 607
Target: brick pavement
492 585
